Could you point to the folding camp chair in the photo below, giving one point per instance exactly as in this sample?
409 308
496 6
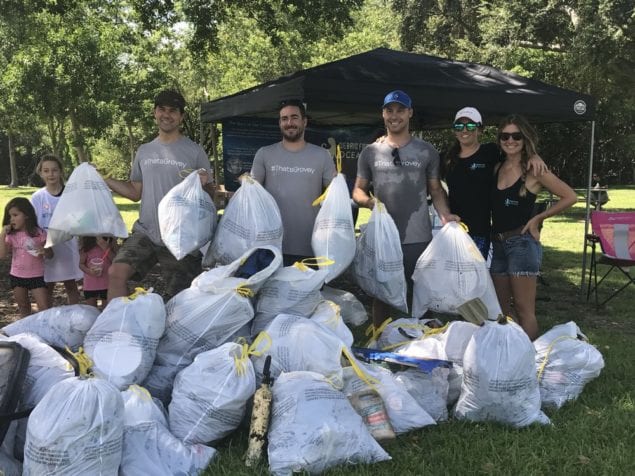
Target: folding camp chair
615 232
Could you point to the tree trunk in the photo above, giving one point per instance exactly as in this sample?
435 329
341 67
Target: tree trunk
78 139
131 144
14 168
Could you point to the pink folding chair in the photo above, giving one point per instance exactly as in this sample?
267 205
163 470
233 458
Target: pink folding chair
615 232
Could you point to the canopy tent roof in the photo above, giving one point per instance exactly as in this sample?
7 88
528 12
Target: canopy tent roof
351 90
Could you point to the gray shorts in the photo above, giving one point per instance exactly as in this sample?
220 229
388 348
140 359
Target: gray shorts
141 253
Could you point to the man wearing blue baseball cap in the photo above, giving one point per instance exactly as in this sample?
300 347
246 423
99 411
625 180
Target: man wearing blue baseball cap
403 170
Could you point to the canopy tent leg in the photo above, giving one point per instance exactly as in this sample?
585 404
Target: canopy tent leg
587 215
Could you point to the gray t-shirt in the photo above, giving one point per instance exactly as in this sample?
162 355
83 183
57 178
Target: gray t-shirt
404 188
158 166
294 179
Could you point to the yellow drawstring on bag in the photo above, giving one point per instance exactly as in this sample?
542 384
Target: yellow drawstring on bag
374 333
549 349
137 292
84 363
367 379
320 261
263 339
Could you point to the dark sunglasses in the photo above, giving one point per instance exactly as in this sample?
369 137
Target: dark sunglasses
503 136
470 126
396 160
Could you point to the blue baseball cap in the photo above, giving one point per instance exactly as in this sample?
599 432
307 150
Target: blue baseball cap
398 97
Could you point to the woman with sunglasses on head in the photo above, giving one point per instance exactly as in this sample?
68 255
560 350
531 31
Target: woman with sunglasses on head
468 171
515 232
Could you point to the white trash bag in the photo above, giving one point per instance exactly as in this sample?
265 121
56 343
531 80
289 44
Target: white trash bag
9 466
334 231
430 390
353 311
394 334
446 343
566 362
328 314
86 208
122 343
449 273
208 313
187 217
403 411
61 326
77 428
299 343
251 220
293 289
378 264
149 447
314 427
210 395
499 377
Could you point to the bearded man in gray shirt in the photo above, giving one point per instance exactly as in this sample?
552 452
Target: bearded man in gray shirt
295 173
403 171
158 166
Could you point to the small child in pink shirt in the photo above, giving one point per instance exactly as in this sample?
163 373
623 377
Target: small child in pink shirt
95 257
26 240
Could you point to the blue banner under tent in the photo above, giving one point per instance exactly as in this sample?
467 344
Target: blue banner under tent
243 136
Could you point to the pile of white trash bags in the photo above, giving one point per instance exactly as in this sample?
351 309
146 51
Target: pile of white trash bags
170 380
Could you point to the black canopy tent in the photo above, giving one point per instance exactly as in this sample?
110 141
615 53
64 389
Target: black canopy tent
350 92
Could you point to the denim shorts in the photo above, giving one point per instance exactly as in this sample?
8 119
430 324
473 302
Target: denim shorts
519 255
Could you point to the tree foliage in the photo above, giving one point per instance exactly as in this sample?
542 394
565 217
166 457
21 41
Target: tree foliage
576 44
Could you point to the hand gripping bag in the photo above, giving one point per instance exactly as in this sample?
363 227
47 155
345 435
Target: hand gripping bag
187 217
299 343
314 427
353 311
293 289
206 315
77 428
499 377
328 314
122 343
86 208
202 411
251 220
450 272
566 362
149 447
378 264
61 326
334 231
404 412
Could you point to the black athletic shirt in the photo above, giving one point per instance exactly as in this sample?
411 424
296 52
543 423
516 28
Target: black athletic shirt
470 183
509 209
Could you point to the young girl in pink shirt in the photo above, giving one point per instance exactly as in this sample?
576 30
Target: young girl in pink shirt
95 257
25 239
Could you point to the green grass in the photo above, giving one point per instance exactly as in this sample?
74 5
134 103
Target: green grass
593 435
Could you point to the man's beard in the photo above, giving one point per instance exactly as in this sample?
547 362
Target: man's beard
293 135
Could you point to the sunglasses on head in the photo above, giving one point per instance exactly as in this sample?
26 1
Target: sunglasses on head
470 126
396 160
503 136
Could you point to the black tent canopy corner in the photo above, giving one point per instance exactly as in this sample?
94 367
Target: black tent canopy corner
350 92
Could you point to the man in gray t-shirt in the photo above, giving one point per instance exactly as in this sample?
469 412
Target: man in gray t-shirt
295 173
159 165
403 170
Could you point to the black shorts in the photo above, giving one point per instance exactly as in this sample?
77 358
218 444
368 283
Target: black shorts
97 293
29 283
